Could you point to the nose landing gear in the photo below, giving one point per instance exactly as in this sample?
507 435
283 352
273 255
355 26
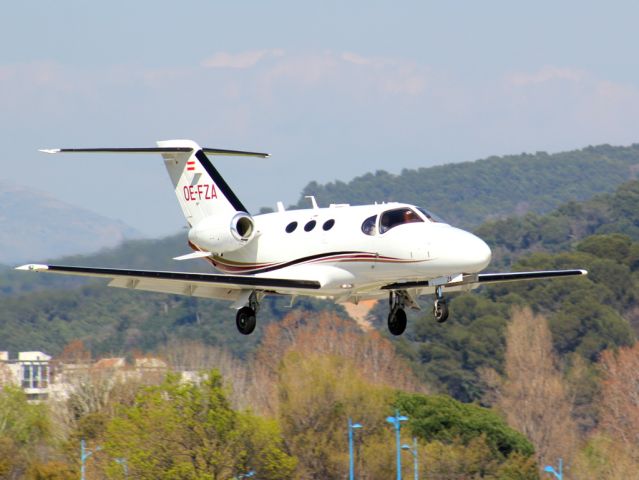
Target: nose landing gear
440 308
397 314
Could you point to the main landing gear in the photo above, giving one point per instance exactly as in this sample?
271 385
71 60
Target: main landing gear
397 314
245 319
398 300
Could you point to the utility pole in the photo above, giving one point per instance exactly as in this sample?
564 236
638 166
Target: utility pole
396 422
84 454
413 451
351 457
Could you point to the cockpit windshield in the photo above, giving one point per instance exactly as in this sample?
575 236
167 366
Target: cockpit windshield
431 216
397 216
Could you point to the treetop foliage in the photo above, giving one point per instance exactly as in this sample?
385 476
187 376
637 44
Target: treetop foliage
608 214
441 418
187 430
469 193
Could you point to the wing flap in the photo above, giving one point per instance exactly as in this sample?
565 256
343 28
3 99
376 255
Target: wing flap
177 288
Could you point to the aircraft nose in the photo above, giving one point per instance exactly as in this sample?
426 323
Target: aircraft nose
470 253
481 252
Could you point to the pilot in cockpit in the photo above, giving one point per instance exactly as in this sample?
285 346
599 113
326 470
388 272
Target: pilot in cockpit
410 216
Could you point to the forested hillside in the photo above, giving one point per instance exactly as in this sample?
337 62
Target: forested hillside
467 194
562 229
586 315
46 311
556 336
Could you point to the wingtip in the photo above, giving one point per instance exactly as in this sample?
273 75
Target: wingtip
584 272
49 150
33 267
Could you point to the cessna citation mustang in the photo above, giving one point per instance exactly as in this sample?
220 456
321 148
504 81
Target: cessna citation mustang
345 253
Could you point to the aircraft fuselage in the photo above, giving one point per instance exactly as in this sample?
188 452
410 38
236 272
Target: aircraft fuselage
335 244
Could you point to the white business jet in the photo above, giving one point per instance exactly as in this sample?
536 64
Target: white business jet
345 253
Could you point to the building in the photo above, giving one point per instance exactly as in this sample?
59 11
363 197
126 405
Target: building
31 371
34 372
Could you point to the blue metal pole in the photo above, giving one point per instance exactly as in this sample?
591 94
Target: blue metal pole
351 462
416 460
399 447
125 467
396 421
558 475
351 456
82 459
84 454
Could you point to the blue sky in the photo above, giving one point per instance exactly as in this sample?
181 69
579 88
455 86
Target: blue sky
332 89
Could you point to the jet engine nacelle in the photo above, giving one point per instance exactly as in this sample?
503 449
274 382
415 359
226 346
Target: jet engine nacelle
223 234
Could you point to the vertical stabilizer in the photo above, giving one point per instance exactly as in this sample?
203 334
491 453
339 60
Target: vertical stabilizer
200 189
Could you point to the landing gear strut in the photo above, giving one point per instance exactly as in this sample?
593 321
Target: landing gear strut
245 319
440 309
397 314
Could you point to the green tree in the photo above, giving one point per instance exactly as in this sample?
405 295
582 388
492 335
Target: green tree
189 430
318 393
442 418
464 440
24 427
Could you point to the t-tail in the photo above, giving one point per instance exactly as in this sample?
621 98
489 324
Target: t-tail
218 220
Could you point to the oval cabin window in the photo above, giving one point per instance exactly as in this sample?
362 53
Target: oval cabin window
328 224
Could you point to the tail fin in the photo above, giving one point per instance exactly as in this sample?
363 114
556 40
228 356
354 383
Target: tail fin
200 189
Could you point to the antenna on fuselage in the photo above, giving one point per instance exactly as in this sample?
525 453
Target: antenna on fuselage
313 201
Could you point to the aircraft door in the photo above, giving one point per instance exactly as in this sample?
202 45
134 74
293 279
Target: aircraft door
372 239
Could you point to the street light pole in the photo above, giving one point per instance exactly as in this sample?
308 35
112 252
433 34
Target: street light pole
84 454
122 461
415 461
351 458
550 469
396 422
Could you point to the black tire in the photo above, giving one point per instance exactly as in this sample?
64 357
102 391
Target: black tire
440 311
397 322
245 320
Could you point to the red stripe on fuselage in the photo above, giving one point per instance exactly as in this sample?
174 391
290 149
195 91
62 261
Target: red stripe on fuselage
339 258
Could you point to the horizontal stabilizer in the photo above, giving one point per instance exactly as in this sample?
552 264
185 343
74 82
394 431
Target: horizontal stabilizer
212 151
193 255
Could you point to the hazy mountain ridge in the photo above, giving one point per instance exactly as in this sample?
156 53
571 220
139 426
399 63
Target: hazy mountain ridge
143 254
35 225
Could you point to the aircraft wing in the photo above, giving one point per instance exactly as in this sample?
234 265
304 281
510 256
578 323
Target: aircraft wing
515 276
182 283
477 279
